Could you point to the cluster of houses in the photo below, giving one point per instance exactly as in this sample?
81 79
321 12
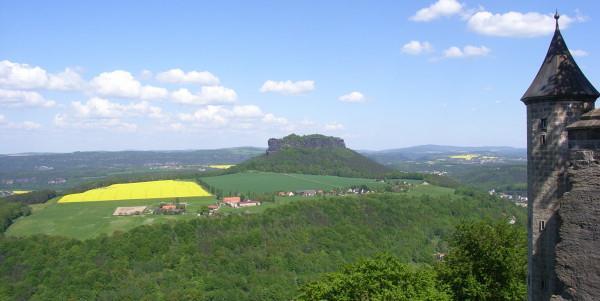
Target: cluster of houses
56 181
233 202
518 199
320 192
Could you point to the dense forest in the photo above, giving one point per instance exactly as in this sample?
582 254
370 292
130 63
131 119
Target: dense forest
485 262
267 256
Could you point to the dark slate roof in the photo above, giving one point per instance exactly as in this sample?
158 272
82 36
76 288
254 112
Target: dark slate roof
559 77
588 120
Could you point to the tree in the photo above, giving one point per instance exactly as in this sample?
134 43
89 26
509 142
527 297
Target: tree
381 278
486 261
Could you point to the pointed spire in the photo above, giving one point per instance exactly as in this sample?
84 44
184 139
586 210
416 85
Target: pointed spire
559 77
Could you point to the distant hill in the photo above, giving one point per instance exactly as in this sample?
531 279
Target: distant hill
313 154
432 152
31 161
37 170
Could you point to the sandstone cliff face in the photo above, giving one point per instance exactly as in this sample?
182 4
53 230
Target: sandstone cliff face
309 141
578 252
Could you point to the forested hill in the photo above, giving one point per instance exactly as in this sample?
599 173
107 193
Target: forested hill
313 154
266 256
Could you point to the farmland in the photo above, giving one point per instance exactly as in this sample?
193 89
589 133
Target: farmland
137 191
262 182
84 220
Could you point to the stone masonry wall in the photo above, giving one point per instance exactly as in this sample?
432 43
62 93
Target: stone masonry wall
578 251
546 179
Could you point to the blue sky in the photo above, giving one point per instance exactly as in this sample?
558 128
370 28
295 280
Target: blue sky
115 75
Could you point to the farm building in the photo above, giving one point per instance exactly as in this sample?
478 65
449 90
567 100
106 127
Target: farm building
249 203
170 208
123 211
232 201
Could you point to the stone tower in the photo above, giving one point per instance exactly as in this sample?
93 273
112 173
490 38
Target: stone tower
557 97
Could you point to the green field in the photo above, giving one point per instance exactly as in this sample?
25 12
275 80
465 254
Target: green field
87 220
261 182
84 220
137 191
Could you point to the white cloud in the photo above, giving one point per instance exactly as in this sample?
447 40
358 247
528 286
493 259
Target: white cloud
120 83
354 96
235 117
467 51
288 87
179 76
333 126
516 24
441 8
272 119
579 52
13 98
66 80
97 107
417 47
25 125
23 76
207 94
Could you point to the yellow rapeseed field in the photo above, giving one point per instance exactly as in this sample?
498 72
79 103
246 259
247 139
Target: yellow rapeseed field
21 191
221 166
140 190
467 157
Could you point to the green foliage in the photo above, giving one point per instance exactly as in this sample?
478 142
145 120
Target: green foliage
339 161
266 256
381 278
34 197
9 211
487 262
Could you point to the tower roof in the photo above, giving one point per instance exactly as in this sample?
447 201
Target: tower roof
559 76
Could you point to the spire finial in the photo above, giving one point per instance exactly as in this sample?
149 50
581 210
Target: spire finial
556 17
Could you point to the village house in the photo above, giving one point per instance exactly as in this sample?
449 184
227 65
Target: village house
232 201
171 208
285 193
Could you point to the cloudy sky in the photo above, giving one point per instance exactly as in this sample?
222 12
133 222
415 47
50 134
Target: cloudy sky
164 75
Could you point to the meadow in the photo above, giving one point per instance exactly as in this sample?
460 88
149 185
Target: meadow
263 182
137 191
83 220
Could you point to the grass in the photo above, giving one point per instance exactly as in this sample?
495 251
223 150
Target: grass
137 191
262 182
84 220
